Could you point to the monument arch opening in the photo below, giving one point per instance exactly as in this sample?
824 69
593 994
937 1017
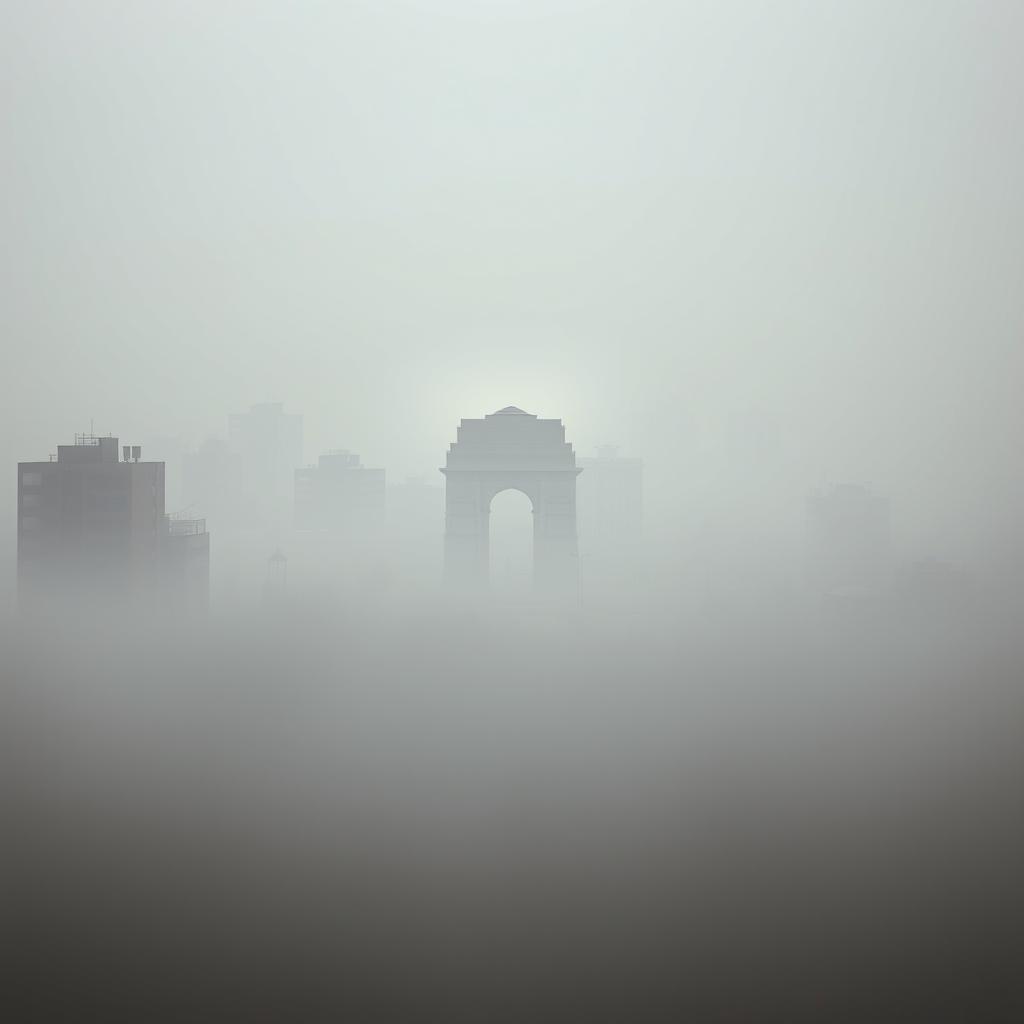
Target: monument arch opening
511 450
510 544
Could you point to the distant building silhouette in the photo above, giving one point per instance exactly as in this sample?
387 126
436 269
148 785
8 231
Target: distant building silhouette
610 500
275 589
212 482
339 494
512 449
268 443
91 525
170 450
848 540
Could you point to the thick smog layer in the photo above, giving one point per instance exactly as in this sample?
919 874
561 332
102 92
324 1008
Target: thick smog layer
513 512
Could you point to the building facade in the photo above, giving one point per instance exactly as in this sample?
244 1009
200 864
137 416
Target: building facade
92 524
339 494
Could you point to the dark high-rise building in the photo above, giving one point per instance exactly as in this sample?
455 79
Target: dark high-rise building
339 494
91 524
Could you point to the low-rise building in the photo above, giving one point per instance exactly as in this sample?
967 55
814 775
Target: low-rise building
339 494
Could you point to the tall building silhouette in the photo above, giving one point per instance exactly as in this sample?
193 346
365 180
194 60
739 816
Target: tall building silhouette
93 524
211 482
268 443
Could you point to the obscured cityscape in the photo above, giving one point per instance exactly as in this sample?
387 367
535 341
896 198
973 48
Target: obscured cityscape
252 523
512 512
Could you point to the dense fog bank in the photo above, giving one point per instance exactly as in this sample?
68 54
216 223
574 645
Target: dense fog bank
445 814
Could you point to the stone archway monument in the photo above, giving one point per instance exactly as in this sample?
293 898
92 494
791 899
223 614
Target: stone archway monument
511 449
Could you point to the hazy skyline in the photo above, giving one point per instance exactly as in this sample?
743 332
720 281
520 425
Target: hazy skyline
641 218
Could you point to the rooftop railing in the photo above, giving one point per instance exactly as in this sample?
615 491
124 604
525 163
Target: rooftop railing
185 527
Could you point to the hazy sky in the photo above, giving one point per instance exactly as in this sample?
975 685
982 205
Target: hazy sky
644 217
